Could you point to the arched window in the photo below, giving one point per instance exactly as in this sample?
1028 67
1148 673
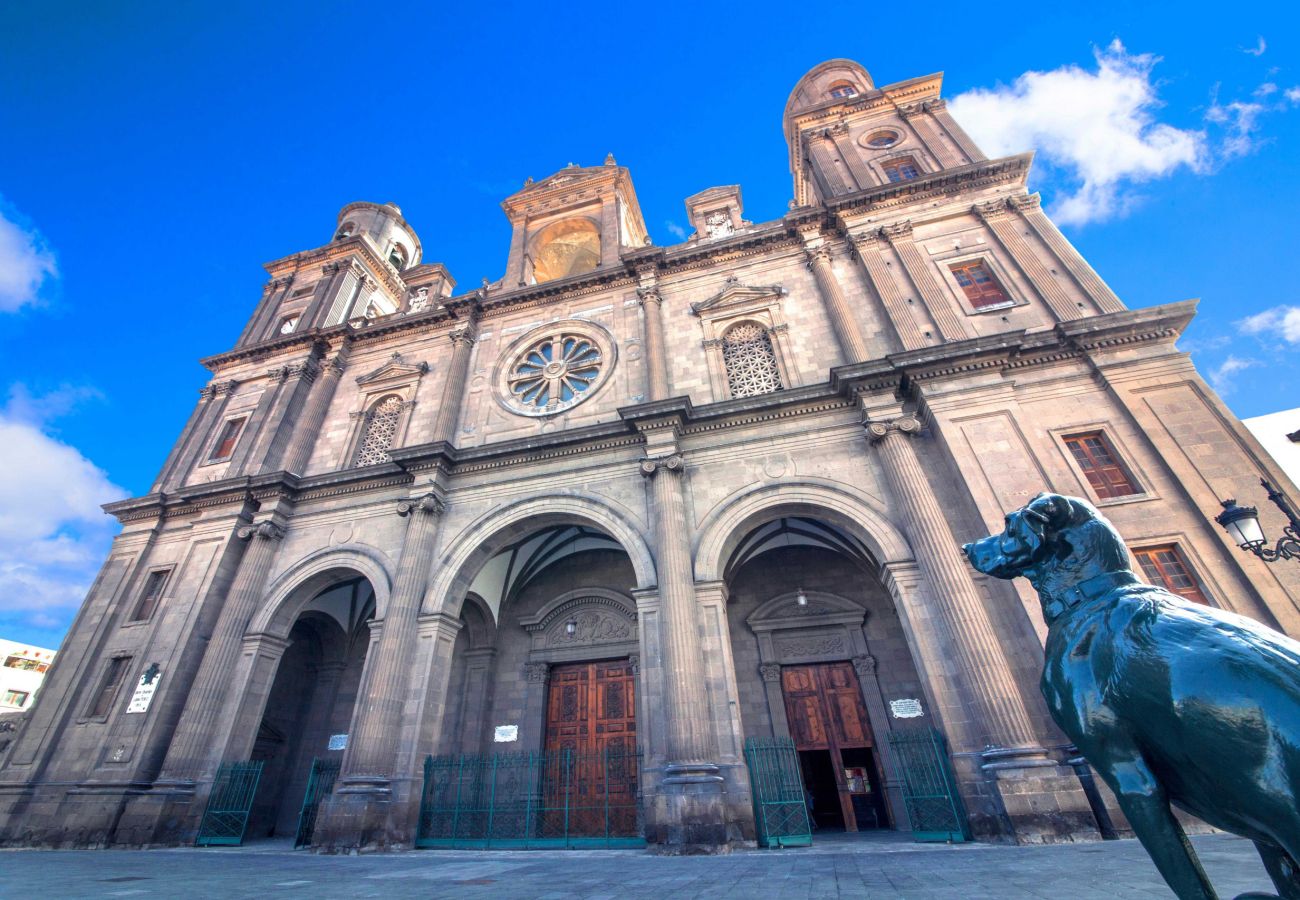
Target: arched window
566 248
843 89
750 360
397 256
378 431
346 230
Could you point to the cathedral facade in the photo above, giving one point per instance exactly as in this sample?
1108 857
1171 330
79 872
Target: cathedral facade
637 543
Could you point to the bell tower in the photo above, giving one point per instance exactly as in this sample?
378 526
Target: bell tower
576 221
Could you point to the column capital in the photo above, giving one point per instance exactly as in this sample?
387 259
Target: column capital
537 672
1027 201
770 671
466 334
935 103
649 294
430 505
864 665
267 531
911 110
898 231
907 424
819 254
674 463
993 210
871 239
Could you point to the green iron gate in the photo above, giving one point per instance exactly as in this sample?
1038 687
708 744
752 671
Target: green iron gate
226 815
319 784
562 798
929 789
780 806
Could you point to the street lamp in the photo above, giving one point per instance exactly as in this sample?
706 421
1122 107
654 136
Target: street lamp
1242 525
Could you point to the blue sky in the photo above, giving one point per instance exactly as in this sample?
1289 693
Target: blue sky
153 155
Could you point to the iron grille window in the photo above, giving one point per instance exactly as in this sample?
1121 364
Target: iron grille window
1100 464
229 437
380 430
982 289
113 678
750 360
904 169
149 597
1166 566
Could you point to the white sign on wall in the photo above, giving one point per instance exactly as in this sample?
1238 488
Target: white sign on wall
504 734
338 742
906 709
144 691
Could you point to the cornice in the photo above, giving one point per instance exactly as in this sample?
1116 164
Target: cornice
944 183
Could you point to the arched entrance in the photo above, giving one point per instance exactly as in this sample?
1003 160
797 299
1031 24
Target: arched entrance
821 657
538 745
305 721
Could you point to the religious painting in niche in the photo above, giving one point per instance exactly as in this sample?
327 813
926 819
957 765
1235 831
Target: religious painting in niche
564 249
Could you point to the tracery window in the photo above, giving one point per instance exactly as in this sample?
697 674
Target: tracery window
379 431
555 372
750 359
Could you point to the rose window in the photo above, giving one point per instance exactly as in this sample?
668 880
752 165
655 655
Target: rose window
750 360
555 373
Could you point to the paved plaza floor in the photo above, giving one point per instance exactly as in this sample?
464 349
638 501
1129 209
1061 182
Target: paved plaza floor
848 866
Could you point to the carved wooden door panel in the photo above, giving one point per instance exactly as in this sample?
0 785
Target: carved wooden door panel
591 712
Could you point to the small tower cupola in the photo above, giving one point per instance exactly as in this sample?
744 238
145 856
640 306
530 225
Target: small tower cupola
388 232
577 220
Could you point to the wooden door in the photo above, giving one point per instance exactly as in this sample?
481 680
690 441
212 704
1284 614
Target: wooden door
823 704
591 715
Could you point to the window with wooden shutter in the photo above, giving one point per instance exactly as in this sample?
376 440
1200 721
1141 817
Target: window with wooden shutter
981 288
903 169
108 688
1166 566
149 597
229 437
1100 464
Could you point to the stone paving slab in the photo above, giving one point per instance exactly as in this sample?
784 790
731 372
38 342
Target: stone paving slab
845 867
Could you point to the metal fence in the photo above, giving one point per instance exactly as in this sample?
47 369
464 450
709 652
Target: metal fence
929 788
226 816
561 798
780 806
324 772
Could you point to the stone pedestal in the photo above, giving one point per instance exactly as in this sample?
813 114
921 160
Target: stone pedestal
1043 800
687 815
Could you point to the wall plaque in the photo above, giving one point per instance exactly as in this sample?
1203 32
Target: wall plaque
338 742
504 734
906 709
144 691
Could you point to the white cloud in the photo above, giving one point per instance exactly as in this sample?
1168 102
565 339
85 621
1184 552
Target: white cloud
1292 94
676 230
53 535
26 263
1222 375
1279 322
1258 49
1240 119
1098 129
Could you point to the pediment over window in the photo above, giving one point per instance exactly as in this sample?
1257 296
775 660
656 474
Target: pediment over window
822 609
395 370
737 295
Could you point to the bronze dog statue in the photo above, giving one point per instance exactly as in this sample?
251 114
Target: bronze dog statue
1170 701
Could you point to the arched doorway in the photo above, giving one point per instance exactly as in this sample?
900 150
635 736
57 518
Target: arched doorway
309 707
822 657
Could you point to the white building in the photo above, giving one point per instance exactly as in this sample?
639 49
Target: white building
1279 432
21 673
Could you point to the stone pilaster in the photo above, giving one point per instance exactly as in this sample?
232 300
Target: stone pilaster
929 131
688 813
307 428
196 748
197 443
1083 274
918 270
938 108
870 252
656 362
847 331
1002 222
272 297
453 390
360 813
189 434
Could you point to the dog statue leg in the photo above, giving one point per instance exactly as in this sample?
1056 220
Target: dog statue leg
1145 804
1281 868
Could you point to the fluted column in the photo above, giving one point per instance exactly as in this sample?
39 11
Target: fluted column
372 749
1088 280
918 269
918 116
846 329
870 250
1001 221
193 428
193 748
970 631
656 363
938 107
307 429
689 732
453 389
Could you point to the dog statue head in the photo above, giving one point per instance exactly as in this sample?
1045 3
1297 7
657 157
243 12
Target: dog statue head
1056 542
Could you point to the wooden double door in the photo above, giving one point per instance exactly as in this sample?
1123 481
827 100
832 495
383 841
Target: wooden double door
837 753
591 752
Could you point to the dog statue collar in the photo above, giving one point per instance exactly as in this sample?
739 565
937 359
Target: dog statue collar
1088 589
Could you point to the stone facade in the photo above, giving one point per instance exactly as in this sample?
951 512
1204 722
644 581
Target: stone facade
393 500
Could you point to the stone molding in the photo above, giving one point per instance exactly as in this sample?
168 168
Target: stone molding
673 463
267 530
430 505
906 424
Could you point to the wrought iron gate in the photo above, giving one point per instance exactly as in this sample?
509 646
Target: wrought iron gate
780 806
563 798
929 789
319 784
226 815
